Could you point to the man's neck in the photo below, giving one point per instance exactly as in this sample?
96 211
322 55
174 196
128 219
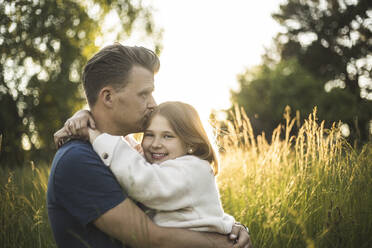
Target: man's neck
105 124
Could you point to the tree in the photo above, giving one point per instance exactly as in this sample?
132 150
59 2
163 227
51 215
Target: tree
265 92
332 40
44 45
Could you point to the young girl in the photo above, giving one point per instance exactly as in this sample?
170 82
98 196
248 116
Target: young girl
176 176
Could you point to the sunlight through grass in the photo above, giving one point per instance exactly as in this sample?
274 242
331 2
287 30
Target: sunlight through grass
308 190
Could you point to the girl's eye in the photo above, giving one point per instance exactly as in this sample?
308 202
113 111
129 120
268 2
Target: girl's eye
168 136
148 135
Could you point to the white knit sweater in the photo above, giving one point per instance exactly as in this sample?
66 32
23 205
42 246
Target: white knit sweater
183 191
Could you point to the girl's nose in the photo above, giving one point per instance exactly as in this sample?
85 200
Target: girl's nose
156 143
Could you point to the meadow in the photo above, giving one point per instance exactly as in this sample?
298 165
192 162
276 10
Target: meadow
309 190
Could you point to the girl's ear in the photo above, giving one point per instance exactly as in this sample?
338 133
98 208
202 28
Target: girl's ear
190 150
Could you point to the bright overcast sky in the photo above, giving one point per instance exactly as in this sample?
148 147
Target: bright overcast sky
206 44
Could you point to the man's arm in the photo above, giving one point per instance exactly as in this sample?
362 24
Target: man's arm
127 223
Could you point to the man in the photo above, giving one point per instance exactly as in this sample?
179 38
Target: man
86 205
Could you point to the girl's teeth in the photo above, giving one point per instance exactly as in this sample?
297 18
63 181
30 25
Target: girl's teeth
158 155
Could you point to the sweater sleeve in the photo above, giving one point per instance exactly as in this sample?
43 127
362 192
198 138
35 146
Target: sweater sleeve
162 187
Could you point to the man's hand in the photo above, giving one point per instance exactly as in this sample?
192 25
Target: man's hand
144 233
241 235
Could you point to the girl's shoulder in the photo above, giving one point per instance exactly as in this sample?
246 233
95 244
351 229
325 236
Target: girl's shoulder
195 163
192 159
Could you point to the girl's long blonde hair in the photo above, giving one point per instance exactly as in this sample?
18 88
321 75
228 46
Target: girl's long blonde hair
186 123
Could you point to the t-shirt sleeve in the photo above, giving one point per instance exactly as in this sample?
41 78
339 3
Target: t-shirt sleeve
84 186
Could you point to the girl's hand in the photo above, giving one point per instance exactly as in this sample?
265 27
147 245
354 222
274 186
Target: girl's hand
75 127
61 137
78 124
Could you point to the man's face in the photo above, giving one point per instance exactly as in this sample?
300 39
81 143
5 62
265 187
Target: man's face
134 103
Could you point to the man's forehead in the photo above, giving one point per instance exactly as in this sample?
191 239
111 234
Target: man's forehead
137 72
141 84
140 76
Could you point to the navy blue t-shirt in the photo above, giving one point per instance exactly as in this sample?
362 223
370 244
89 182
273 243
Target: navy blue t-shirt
80 189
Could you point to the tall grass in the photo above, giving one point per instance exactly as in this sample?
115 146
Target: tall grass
309 190
23 215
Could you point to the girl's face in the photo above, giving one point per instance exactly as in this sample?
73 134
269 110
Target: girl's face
160 143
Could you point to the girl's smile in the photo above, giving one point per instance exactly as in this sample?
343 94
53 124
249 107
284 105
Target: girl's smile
160 142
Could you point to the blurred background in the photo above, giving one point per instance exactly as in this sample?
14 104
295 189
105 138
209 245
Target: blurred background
261 55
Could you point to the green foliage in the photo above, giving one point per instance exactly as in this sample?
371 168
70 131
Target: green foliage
23 213
266 91
313 192
333 41
44 45
310 190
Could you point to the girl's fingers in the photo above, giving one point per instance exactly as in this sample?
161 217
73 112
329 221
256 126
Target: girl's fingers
73 128
92 124
78 125
57 135
67 127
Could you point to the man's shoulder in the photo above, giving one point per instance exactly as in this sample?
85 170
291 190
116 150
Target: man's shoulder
76 162
75 153
75 148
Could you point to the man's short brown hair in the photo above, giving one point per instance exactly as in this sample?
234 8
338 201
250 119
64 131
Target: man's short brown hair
111 66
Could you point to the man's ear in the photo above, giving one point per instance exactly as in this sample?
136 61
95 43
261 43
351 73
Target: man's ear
106 96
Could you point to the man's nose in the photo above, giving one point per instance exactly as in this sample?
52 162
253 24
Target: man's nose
152 104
